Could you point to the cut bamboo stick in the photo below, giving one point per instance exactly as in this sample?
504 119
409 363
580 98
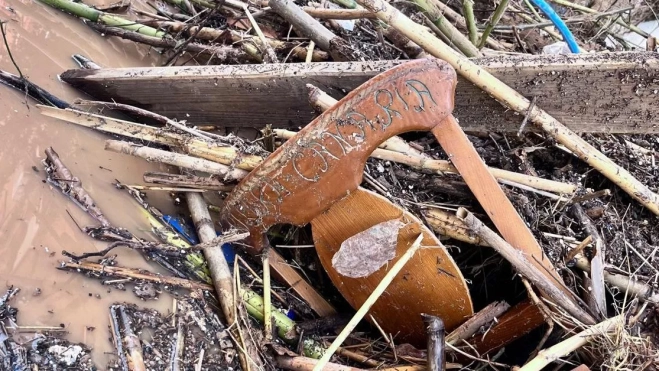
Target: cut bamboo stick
515 101
175 159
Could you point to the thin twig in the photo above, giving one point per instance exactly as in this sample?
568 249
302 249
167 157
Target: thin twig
270 53
526 117
4 37
468 6
496 17
573 343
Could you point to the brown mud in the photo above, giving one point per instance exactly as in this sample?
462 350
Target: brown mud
34 224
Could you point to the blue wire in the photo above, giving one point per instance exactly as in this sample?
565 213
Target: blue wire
558 22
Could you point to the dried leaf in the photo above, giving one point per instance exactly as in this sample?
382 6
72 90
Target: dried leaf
367 251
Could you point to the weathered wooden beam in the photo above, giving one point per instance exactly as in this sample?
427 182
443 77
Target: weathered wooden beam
603 92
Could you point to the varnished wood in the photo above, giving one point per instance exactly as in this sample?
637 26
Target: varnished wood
515 323
326 159
487 191
430 282
602 92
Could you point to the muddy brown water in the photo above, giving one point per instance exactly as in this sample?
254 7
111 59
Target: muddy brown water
33 216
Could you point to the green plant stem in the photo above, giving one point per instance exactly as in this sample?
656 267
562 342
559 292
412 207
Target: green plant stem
285 326
496 17
532 9
83 11
350 4
453 34
468 6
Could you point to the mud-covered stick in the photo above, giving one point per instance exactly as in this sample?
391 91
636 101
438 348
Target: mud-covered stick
436 332
338 48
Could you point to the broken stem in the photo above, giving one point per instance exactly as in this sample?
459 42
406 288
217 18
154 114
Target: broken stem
60 176
217 263
496 17
309 27
477 321
435 348
83 11
176 159
549 355
267 298
468 6
122 272
447 28
640 289
190 181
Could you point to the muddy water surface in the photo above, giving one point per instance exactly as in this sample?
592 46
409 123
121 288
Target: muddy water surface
33 217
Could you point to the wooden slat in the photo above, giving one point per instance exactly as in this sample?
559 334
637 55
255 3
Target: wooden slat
605 92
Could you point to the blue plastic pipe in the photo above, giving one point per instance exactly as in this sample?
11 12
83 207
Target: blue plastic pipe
558 22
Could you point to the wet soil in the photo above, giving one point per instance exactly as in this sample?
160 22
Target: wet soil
36 221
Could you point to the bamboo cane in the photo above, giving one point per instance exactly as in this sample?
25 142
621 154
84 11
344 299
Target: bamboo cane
175 159
83 11
515 101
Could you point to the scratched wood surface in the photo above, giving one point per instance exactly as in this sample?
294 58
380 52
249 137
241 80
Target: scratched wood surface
325 161
613 92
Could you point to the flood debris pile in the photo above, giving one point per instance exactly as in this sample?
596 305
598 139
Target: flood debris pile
36 347
411 222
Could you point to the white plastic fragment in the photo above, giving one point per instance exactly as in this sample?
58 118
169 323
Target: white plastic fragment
66 355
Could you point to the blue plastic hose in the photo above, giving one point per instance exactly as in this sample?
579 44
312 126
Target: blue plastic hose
558 22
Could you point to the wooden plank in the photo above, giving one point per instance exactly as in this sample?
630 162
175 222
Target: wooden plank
604 92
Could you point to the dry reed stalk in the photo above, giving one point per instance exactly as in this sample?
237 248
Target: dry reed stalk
473 324
190 181
449 225
122 272
363 310
306 25
175 159
219 268
515 101
549 355
523 266
639 289
322 13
